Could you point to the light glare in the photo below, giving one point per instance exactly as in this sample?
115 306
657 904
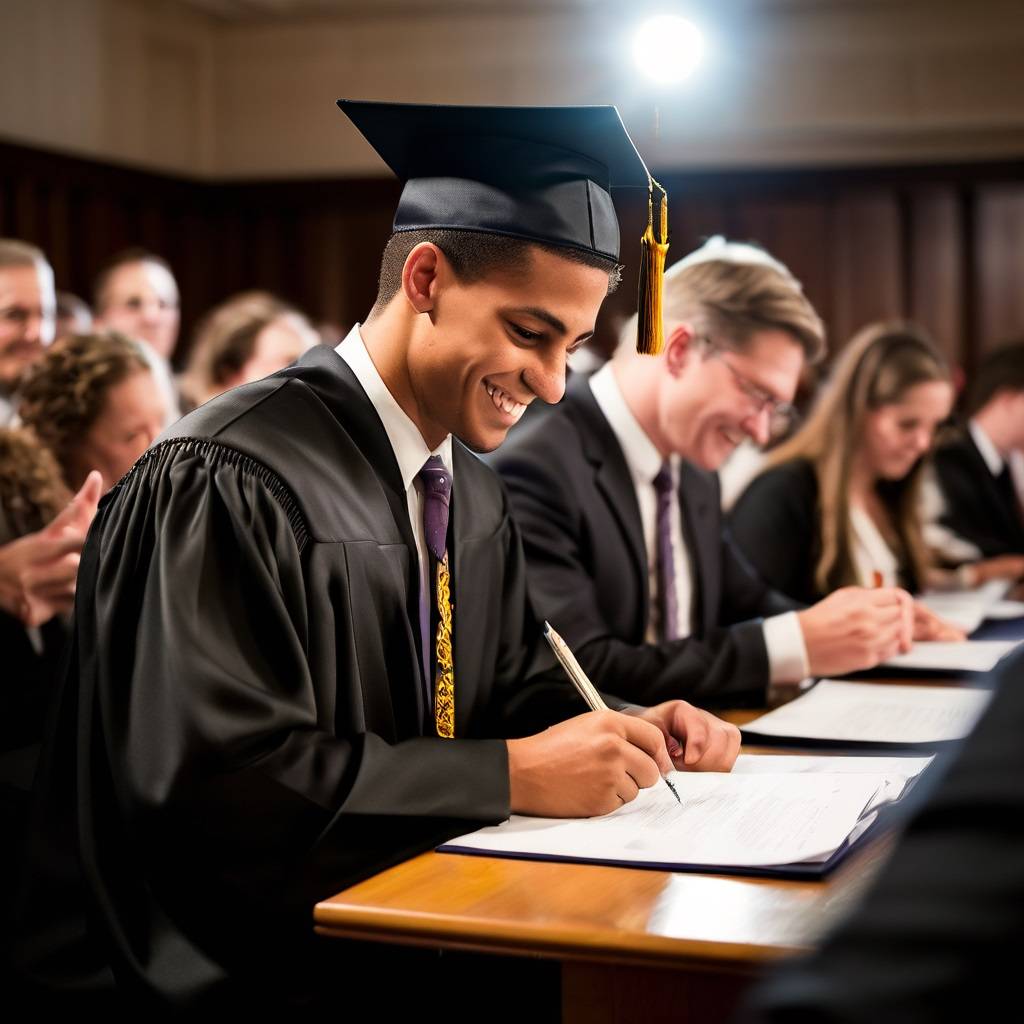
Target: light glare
667 48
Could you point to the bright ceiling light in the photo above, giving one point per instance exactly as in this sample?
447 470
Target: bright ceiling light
667 48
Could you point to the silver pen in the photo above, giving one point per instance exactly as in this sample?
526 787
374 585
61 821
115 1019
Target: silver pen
586 688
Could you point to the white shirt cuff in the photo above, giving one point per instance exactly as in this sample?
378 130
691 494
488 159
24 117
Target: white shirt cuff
787 652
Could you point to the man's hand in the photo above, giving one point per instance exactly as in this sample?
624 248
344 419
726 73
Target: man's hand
588 765
38 571
855 628
696 740
928 626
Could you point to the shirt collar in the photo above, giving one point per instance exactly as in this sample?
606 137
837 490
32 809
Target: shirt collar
988 450
642 457
411 451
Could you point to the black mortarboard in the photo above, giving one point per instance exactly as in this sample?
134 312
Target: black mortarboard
538 173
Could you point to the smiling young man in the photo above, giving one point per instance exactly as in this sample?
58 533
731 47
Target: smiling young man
304 642
621 520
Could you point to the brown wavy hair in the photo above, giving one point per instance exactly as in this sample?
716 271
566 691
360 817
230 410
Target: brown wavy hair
64 392
879 365
32 489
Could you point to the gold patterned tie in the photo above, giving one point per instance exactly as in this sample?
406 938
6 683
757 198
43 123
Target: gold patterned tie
437 489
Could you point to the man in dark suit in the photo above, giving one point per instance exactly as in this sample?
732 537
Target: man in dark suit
627 554
982 499
939 934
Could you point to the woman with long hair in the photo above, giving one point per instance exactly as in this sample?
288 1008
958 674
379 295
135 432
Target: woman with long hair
838 504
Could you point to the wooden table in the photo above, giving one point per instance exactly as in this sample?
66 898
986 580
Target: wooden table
632 943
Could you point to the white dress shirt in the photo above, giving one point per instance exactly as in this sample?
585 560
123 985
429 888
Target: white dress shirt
871 553
787 653
411 453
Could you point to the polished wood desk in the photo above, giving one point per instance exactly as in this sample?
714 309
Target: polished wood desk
631 943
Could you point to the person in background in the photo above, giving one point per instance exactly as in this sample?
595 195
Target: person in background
32 493
73 315
980 502
838 504
92 400
37 569
136 294
27 311
621 518
249 337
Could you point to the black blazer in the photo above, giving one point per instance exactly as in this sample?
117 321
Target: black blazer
776 523
978 507
938 936
573 498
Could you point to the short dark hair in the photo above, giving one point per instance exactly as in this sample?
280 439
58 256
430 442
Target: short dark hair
1001 370
124 258
474 255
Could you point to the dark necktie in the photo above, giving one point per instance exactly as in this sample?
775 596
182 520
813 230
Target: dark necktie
1008 492
668 606
437 491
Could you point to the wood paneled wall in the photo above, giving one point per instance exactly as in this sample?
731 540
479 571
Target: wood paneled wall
940 245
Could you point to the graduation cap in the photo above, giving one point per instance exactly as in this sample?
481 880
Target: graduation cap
543 174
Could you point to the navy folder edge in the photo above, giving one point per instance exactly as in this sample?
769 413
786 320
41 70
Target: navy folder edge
887 816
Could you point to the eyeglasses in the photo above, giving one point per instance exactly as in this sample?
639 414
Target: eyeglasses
781 415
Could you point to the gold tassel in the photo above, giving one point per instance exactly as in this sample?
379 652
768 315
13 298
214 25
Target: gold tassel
653 249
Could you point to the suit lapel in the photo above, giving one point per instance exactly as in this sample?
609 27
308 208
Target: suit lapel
613 480
1000 497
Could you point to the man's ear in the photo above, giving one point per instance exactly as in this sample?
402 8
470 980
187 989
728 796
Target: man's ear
679 347
420 276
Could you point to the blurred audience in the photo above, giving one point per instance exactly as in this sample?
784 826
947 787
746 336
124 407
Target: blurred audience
93 401
73 315
39 545
27 313
136 294
244 339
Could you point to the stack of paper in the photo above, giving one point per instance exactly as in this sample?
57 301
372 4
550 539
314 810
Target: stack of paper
898 772
873 713
966 608
788 823
942 656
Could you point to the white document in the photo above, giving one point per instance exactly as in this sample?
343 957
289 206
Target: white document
1006 610
971 656
875 713
897 771
966 608
725 820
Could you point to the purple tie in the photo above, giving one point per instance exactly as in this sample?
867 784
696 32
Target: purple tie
436 482
668 604
437 492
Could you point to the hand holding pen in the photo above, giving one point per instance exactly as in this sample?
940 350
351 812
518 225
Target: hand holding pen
584 686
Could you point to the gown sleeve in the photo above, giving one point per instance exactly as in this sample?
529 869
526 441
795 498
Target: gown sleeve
209 773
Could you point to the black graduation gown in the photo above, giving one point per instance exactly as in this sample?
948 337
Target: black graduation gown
244 733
